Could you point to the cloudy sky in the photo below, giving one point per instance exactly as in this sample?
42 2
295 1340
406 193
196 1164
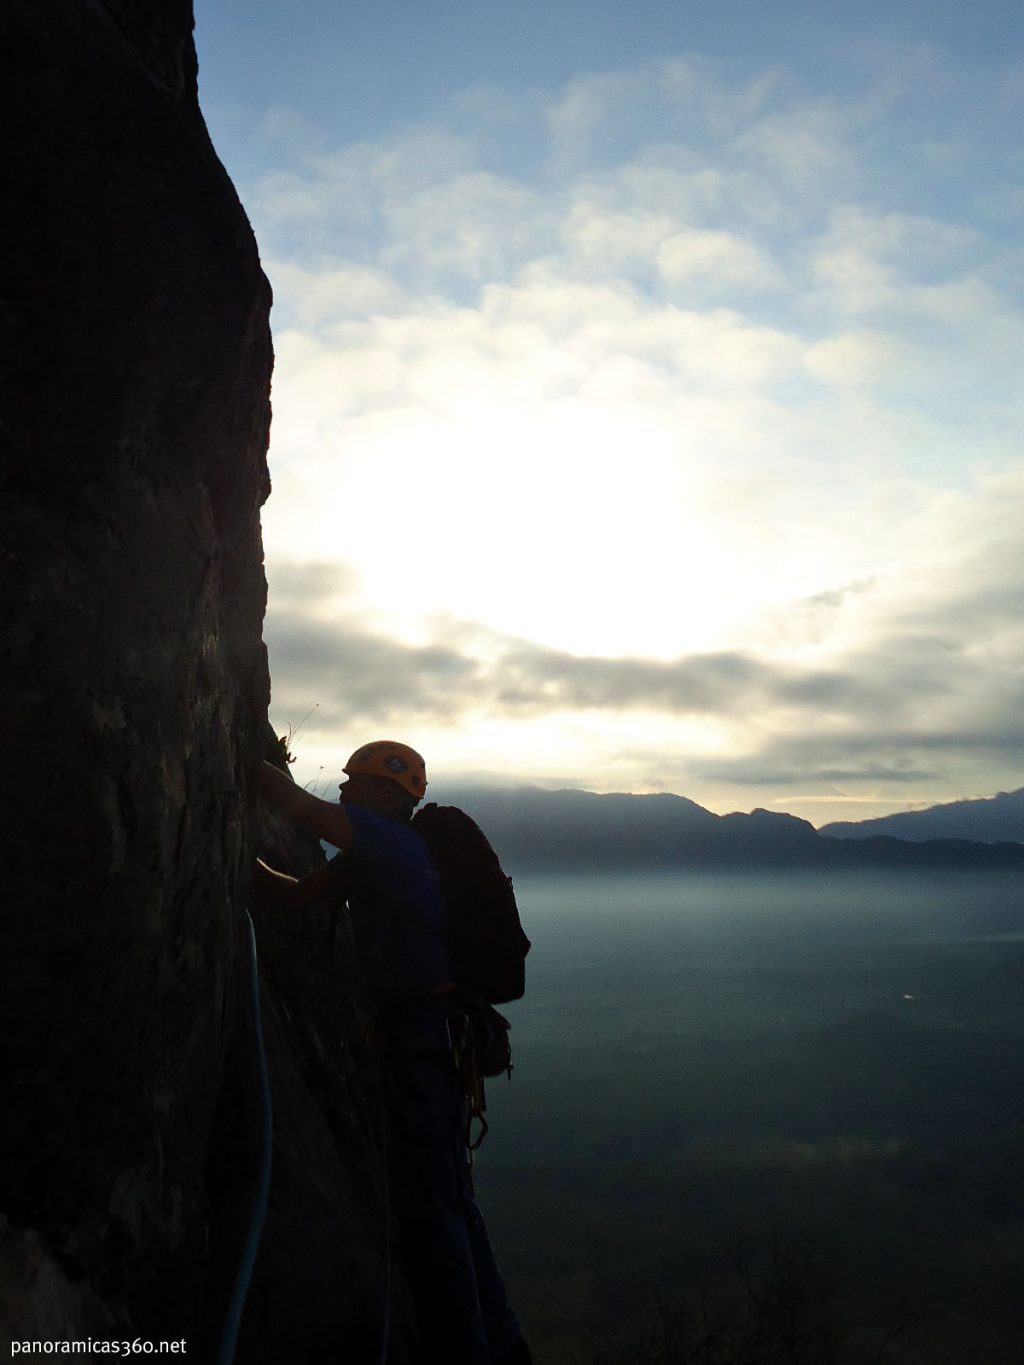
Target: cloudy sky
648 401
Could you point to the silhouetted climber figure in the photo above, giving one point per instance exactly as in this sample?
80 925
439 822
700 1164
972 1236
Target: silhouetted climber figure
399 917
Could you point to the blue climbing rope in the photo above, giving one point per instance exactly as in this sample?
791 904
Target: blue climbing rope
385 1330
258 1213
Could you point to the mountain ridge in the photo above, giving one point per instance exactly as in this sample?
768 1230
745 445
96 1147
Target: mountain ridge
570 829
992 819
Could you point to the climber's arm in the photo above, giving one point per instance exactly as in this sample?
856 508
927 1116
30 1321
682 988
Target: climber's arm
326 820
295 893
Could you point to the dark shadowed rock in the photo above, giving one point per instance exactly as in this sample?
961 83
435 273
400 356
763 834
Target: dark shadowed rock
134 400
135 362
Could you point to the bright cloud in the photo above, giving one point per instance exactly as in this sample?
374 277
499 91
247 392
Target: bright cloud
706 430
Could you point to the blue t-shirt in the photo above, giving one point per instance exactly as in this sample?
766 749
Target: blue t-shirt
398 912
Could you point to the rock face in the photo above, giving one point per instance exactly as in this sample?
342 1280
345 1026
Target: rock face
134 418
135 379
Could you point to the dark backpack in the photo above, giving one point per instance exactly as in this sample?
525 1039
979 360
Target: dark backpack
487 942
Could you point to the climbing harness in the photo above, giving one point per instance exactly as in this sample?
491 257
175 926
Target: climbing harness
481 1049
258 1212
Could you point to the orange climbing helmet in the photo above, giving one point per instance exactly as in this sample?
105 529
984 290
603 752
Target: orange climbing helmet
388 758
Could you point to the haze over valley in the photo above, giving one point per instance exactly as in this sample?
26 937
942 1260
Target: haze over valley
812 1076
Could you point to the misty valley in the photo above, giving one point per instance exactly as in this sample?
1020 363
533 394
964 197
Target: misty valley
786 1104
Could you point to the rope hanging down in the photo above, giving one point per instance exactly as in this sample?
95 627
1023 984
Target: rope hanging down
261 1198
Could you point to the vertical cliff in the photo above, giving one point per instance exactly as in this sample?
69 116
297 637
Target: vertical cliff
135 412
134 418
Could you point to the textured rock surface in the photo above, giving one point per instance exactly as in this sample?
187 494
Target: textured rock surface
134 420
135 417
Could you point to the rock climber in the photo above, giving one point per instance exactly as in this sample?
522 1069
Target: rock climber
399 919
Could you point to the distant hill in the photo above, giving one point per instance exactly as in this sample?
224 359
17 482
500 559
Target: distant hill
582 829
988 821
576 830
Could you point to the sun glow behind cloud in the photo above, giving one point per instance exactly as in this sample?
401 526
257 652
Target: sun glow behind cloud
733 390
